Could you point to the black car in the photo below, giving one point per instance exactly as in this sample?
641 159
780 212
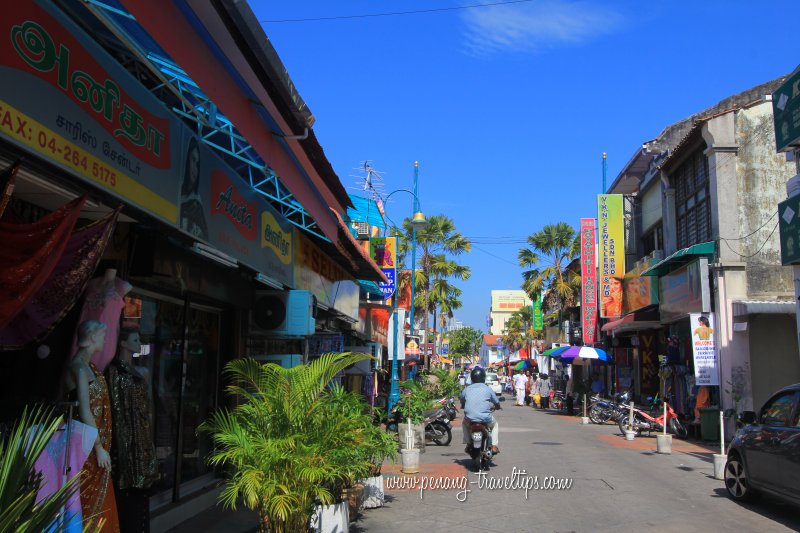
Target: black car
764 456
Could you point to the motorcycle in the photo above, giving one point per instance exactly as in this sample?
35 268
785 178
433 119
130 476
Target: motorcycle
449 406
437 425
644 421
479 446
603 410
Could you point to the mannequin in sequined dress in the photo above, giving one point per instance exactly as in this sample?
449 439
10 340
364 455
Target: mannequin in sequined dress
85 384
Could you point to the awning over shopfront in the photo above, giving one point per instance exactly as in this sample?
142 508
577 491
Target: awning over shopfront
680 258
371 287
760 307
634 322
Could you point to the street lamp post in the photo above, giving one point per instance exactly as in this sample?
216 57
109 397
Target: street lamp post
417 221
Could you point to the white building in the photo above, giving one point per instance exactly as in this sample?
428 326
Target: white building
504 304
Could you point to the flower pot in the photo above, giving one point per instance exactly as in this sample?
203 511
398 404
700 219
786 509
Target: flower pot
419 436
352 495
373 492
719 465
410 461
585 420
331 518
664 444
630 434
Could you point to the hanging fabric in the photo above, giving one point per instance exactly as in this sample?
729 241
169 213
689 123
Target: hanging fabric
62 288
7 178
29 254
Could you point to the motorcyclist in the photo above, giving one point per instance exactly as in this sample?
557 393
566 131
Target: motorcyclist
477 401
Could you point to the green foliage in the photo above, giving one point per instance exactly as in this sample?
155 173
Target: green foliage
413 404
465 342
290 443
19 511
444 385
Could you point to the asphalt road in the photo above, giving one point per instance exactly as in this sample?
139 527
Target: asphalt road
615 486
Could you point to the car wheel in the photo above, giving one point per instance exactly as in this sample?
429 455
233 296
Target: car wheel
736 480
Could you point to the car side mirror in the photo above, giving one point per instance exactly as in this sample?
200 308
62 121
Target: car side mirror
747 417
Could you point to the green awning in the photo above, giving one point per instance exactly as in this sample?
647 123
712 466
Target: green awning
680 258
371 287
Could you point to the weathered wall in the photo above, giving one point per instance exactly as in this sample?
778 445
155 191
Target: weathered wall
773 355
761 184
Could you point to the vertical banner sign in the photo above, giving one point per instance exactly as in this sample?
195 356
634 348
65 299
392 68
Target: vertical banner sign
588 281
704 349
538 320
612 253
383 250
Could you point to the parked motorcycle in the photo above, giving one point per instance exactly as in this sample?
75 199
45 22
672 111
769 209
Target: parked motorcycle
437 425
602 410
479 446
644 421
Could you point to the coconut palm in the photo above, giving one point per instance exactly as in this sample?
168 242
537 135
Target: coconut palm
289 445
555 246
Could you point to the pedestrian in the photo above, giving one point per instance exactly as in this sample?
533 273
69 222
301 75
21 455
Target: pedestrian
544 391
519 384
570 398
528 385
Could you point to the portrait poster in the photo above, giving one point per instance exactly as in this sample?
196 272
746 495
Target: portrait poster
706 363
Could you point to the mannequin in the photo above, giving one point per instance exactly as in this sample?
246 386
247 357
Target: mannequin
84 383
104 301
133 454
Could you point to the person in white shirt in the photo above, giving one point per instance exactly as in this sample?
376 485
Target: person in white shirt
519 384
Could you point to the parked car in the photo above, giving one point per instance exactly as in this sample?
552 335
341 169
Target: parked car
494 383
764 456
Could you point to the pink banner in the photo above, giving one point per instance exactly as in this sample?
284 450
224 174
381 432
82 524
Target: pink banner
588 281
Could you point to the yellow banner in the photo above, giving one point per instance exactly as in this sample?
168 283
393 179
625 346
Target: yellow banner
611 230
54 147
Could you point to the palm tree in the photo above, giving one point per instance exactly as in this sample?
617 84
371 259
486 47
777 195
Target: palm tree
435 242
556 245
288 443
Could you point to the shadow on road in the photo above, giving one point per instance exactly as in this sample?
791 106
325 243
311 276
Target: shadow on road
769 507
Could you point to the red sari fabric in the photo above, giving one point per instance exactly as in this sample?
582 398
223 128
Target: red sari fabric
29 254
42 311
7 185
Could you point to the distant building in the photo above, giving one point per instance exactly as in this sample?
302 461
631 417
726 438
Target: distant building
504 304
454 325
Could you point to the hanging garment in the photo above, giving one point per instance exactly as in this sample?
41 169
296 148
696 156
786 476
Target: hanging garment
7 178
54 299
30 253
51 465
104 301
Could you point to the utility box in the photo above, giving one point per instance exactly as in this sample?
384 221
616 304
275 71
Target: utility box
709 423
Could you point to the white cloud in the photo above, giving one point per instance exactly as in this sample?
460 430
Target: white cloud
535 26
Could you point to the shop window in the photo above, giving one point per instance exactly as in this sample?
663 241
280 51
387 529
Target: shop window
692 207
653 240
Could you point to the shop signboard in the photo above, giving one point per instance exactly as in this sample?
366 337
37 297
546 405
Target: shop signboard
412 346
383 250
786 113
611 249
706 363
66 99
789 224
685 291
315 271
588 280
639 291
508 301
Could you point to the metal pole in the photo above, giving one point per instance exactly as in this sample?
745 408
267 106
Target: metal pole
413 250
394 393
604 172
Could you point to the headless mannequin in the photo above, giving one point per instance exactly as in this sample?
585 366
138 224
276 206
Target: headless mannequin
79 376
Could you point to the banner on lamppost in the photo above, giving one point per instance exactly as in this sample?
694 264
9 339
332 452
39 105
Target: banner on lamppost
588 281
538 319
610 222
383 250
704 349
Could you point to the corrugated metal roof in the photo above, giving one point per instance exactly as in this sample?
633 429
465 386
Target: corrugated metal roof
365 210
764 307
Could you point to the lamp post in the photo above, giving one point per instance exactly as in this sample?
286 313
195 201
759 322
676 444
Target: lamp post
417 221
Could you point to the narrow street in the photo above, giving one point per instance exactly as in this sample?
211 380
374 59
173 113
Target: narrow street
617 486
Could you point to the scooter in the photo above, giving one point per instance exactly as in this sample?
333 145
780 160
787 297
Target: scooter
479 446
644 421
602 410
437 425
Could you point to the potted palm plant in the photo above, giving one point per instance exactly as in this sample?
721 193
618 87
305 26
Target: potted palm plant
283 444
412 407
380 447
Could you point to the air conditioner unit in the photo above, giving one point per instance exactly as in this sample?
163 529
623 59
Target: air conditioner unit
285 360
362 230
284 314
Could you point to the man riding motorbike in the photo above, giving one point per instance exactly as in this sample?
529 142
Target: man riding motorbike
477 401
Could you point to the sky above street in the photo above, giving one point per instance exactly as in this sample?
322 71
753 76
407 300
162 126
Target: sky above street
508 108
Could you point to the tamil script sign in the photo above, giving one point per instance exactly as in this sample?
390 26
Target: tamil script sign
612 253
588 281
786 113
706 364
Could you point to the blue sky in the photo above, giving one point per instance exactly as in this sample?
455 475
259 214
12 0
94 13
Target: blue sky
508 108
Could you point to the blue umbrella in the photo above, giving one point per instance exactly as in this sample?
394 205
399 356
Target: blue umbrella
583 353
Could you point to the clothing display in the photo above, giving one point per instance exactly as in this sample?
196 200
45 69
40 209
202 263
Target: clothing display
7 178
133 454
104 301
56 297
30 253
97 492
51 465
